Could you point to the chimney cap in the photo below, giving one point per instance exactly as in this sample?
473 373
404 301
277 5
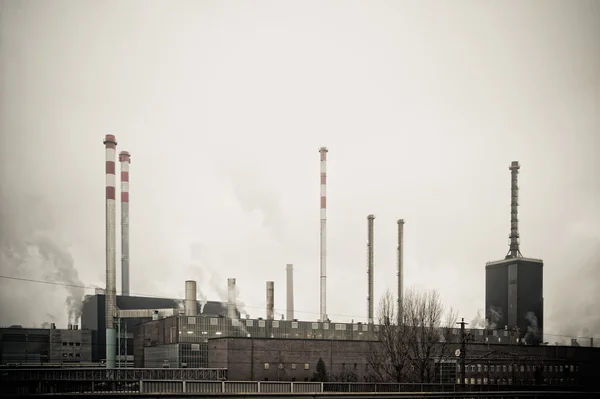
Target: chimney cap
110 139
323 149
371 217
124 156
514 165
400 221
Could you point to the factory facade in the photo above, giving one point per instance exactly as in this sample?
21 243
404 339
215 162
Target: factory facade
281 350
42 346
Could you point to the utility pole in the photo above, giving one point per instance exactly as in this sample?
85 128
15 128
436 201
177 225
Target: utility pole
463 352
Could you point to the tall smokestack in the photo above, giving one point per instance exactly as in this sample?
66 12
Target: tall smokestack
231 313
110 143
270 300
289 309
400 268
323 299
370 306
125 160
514 251
191 305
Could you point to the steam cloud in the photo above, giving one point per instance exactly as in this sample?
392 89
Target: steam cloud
28 249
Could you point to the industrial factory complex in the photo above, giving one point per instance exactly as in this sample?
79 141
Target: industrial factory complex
124 331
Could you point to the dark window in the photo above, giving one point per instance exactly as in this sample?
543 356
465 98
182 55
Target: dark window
64 344
355 366
266 378
305 378
293 378
77 355
64 355
77 343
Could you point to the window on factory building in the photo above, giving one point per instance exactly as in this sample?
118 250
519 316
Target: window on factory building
64 344
355 366
214 322
275 324
77 343
472 367
293 366
492 368
77 355
479 368
523 368
306 366
355 327
266 366
64 355
249 323
510 368
485 368
315 326
294 324
325 326
504 368
261 323
343 366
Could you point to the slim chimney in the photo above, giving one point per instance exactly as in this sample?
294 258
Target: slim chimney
270 300
323 299
400 268
514 251
125 160
191 306
110 143
289 311
231 308
370 306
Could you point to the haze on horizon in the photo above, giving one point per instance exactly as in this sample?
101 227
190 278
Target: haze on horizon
224 105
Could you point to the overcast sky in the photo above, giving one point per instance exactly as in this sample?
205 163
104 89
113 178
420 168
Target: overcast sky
224 105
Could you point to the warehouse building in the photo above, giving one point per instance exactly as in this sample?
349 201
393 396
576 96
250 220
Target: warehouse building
44 346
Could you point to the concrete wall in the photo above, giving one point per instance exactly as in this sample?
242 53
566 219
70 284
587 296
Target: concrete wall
250 359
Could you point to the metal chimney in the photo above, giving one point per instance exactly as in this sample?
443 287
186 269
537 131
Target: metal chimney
231 313
125 160
323 299
191 306
400 268
289 311
370 305
110 144
514 251
270 300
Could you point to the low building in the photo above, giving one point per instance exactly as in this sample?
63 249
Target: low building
43 346
281 350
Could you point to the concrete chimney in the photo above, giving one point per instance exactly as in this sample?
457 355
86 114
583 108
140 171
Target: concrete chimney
370 305
289 308
231 299
125 160
400 268
270 300
110 144
191 306
514 251
323 257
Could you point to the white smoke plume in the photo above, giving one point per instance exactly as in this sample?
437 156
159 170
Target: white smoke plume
478 321
30 249
495 317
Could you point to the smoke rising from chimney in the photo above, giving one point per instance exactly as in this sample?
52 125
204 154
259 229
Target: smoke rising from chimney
27 238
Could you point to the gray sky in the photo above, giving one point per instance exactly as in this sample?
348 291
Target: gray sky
223 106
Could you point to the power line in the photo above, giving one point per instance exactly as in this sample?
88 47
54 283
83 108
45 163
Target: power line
89 287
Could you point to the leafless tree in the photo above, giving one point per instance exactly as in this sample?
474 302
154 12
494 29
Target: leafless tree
407 350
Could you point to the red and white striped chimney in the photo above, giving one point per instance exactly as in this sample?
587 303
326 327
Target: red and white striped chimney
110 143
323 302
125 160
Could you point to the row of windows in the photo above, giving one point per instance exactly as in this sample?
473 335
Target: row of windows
280 366
504 368
509 381
275 324
71 355
71 343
